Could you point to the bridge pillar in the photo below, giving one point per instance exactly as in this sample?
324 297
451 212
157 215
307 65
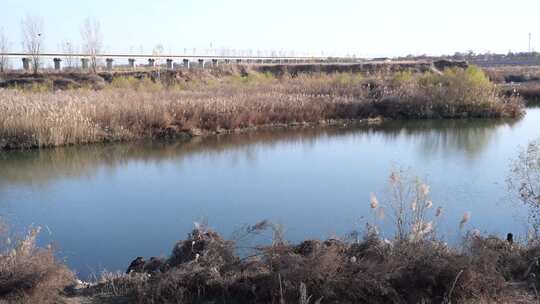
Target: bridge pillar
227 61
84 63
151 62
238 61
186 63
201 63
170 64
26 64
57 62
109 63
131 62
214 63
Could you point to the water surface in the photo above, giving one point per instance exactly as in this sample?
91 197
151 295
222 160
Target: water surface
102 205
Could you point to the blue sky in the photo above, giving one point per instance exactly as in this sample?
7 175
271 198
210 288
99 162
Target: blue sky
338 27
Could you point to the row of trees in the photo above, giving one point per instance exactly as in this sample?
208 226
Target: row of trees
32 42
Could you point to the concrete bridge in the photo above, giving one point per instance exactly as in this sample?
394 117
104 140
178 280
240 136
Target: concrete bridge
170 61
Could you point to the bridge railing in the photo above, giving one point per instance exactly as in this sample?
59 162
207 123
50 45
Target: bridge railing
170 61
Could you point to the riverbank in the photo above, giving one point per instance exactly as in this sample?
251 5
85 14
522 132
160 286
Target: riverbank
205 268
132 108
517 80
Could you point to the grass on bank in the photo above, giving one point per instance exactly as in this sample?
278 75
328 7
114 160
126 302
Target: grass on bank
142 108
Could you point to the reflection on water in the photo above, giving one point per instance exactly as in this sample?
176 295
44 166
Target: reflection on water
104 204
469 137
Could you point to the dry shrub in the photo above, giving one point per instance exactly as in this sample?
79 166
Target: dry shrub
366 271
29 274
453 93
336 271
204 246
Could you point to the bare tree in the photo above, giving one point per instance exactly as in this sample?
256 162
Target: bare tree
32 29
68 49
158 51
524 181
4 47
92 40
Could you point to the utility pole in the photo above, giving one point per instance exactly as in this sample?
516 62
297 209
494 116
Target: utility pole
530 46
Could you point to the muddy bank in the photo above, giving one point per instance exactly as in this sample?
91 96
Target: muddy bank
56 81
177 134
362 68
77 80
74 80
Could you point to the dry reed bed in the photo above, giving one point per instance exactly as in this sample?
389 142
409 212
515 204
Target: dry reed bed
133 109
29 274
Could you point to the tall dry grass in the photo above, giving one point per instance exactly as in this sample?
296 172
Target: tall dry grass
130 109
29 274
408 206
